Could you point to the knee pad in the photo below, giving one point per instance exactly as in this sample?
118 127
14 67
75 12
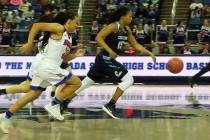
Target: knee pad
127 81
86 83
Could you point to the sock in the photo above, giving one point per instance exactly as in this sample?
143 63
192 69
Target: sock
55 101
64 105
53 94
112 102
8 114
201 72
66 102
3 91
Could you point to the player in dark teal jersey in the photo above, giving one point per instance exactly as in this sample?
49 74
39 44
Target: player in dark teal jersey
112 38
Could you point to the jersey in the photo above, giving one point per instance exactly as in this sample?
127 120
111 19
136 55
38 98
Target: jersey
48 70
55 49
140 36
116 40
179 36
163 34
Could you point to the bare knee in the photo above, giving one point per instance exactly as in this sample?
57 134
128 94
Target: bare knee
74 81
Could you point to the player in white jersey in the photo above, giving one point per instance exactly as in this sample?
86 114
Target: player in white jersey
55 44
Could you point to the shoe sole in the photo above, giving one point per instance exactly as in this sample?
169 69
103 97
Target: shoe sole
48 110
5 132
110 114
67 114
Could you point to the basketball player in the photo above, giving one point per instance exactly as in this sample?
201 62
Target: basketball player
111 38
24 86
55 44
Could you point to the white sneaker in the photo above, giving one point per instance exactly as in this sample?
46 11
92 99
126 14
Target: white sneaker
54 111
5 124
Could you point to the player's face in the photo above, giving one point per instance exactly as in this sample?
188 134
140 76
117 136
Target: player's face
127 19
72 24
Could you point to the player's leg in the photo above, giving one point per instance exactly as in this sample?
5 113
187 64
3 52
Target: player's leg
117 70
37 86
21 88
199 74
88 81
64 65
58 77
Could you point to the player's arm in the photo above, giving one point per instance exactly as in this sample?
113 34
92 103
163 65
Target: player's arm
79 53
137 46
111 28
53 28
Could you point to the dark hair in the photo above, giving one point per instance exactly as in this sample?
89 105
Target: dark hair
115 16
61 18
179 23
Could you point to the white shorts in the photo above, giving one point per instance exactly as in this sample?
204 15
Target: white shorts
46 76
35 64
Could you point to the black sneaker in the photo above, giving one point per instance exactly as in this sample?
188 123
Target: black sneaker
110 110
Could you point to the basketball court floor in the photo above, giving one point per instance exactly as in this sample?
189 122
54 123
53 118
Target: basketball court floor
143 122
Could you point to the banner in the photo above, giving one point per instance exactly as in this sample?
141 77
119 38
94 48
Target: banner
137 95
136 65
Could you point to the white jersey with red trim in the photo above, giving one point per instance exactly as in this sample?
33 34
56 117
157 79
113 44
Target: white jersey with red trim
55 49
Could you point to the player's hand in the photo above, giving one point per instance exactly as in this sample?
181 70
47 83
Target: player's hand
153 57
26 48
112 55
80 52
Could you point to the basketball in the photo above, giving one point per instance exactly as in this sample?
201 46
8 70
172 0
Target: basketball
175 65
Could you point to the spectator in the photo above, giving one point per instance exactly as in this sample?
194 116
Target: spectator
1 29
195 4
196 13
140 34
6 34
24 6
75 37
187 49
134 28
179 37
133 7
141 11
13 18
163 36
29 15
204 48
14 4
206 11
148 29
48 9
204 35
151 12
93 32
